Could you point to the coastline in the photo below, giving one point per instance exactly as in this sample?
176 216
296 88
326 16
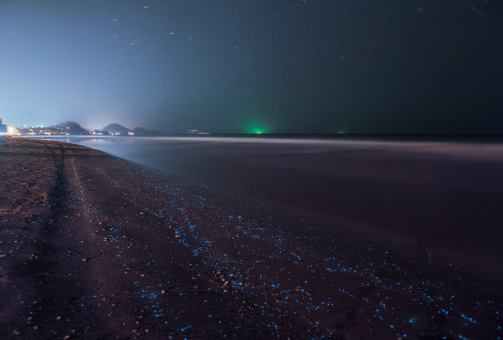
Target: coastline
172 259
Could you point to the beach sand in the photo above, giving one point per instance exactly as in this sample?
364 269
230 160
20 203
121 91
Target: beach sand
96 246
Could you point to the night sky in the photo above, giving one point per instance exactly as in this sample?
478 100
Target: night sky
232 66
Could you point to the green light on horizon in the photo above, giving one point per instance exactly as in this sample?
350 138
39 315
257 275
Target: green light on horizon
256 130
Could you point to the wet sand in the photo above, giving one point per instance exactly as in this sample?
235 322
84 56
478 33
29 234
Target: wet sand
96 246
442 195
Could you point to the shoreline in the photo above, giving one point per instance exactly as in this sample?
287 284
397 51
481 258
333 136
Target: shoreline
482 138
171 259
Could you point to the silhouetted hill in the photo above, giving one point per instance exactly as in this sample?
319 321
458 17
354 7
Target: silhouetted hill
72 128
116 128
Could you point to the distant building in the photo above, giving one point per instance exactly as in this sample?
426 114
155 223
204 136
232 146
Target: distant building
3 128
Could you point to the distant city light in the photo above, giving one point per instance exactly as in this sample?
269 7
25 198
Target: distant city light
12 130
197 132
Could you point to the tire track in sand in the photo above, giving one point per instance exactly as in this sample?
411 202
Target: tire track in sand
61 306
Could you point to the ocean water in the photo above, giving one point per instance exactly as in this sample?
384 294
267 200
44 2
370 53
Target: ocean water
443 196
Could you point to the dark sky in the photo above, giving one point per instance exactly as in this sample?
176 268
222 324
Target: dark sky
366 66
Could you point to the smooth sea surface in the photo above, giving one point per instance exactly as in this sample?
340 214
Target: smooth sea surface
440 196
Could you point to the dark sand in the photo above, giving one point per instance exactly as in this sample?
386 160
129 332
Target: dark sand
96 246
